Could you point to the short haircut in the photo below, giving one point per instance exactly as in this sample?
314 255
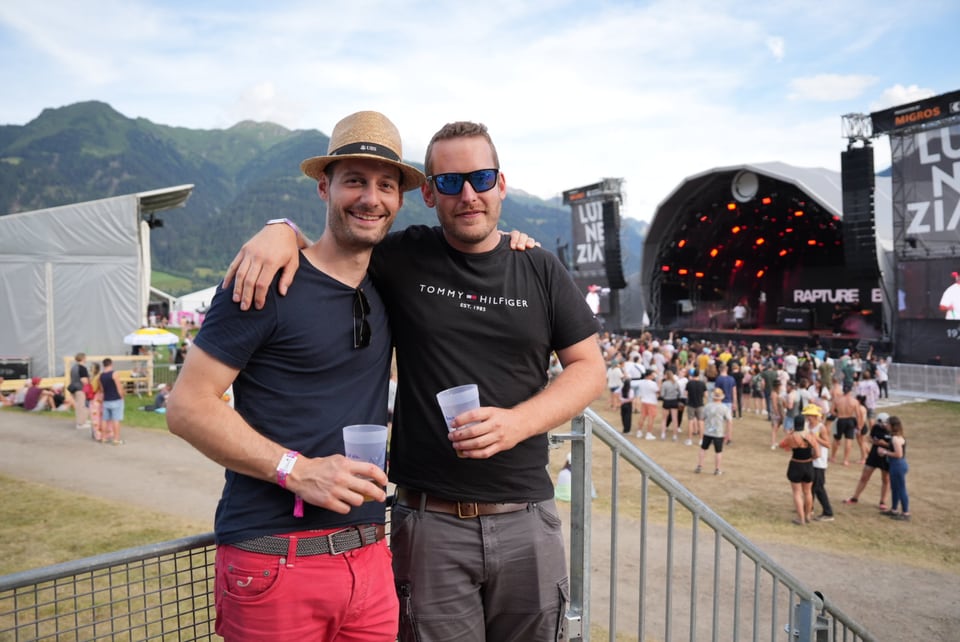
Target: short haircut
460 129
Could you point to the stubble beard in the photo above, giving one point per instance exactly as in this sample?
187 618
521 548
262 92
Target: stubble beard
349 236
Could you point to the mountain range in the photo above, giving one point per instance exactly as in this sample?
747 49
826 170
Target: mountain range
242 175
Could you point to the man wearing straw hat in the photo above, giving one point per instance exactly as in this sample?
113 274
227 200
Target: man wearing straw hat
300 555
477 546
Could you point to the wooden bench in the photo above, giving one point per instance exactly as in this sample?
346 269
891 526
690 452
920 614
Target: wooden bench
12 385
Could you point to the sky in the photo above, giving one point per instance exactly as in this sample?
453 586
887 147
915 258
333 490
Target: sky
572 92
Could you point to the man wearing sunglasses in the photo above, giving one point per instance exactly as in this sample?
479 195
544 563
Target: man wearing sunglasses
476 541
300 555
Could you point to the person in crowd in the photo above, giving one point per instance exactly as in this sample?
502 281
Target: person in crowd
804 449
728 384
36 398
883 376
863 428
291 497
844 408
670 394
94 397
738 374
648 394
62 401
615 376
868 391
756 391
879 438
635 371
440 505
717 430
112 406
79 377
897 456
160 399
813 415
681 378
564 488
5 398
625 403
696 400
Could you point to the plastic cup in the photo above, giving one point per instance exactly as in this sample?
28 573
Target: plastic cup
366 443
456 401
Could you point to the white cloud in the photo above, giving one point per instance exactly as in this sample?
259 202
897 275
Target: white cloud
777 46
830 87
900 95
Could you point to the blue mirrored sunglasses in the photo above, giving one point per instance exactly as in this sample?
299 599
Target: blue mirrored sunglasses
451 183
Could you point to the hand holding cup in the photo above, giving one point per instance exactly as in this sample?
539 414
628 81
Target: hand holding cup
456 401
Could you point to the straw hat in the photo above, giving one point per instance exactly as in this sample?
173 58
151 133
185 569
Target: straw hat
369 135
718 394
812 409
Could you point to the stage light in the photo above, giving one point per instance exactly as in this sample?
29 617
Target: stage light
798 213
683 271
699 275
714 252
789 230
736 229
766 200
681 242
783 252
759 273
811 242
738 263
731 206
761 241
704 218
665 268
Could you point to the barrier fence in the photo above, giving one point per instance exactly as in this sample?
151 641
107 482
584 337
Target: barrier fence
697 577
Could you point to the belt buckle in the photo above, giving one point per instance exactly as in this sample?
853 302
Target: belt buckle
462 515
332 547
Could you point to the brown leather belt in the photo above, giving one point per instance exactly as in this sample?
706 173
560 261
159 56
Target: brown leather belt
334 543
463 510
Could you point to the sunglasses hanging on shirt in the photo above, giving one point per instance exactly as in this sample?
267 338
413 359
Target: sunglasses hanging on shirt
361 327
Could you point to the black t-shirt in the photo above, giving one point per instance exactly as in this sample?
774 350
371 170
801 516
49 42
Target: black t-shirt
695 391
490 319
300 382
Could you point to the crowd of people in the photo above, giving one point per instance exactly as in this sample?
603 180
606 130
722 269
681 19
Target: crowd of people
819 407
94 395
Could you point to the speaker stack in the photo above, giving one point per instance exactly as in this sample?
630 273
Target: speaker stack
611 245
859 230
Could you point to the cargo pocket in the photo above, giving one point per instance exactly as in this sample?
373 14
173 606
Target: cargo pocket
563 596
408 623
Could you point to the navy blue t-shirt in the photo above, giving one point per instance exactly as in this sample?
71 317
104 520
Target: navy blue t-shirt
300 382
491 319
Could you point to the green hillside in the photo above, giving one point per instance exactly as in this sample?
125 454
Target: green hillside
243 176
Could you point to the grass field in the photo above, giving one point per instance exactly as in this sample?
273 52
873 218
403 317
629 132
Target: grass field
753 495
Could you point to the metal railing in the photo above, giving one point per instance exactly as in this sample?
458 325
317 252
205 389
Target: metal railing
156 592
697 576
687 558
931 382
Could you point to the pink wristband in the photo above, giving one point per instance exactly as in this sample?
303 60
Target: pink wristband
283 470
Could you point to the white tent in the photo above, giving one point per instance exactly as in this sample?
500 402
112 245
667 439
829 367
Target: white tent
76 278
192 306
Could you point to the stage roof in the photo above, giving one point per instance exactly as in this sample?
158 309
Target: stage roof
731 224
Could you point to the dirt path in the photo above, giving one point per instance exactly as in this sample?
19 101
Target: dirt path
161 472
